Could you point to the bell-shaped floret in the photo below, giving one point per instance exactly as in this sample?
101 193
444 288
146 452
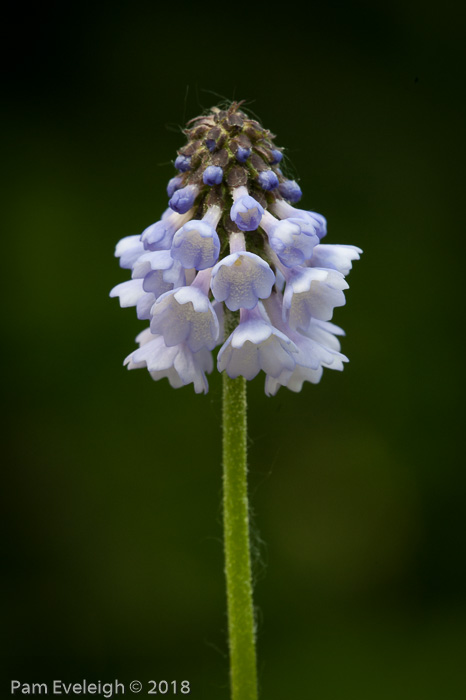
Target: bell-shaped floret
293 240
185 315
159 236
284 210
196 245
241 279
246 211
306 369
312 292
177 363
316 349
160 272
256 345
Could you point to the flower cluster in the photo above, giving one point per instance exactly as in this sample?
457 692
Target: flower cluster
232 253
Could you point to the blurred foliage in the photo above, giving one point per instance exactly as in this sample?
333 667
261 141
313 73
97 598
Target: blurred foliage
113 552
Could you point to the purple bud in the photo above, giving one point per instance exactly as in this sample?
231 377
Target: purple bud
183 163
210 143
183 199
268 180
247 213
174 184
291 191
213 175
277 156
242 154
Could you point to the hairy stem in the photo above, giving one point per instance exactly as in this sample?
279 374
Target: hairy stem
241 631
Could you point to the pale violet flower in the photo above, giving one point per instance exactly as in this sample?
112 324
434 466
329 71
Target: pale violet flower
284 210
159 236
246 211
292 239
241 279
317 348
232 247
160 272
185 315
177 363
312 293
256 345
196 244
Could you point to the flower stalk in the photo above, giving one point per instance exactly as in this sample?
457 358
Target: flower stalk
241 627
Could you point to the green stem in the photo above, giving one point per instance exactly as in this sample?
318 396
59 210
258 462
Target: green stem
241 629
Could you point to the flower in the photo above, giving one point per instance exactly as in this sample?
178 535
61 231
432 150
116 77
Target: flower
159 271
177 363
241 279
185 315
246 211
293 240
232 245
284 210
315 349
196 244
159 236
254 345
311 293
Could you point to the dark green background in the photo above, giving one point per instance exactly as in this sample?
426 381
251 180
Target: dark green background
113 542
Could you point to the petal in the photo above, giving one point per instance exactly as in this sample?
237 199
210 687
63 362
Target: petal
336 257
241 279
128 292
144 305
